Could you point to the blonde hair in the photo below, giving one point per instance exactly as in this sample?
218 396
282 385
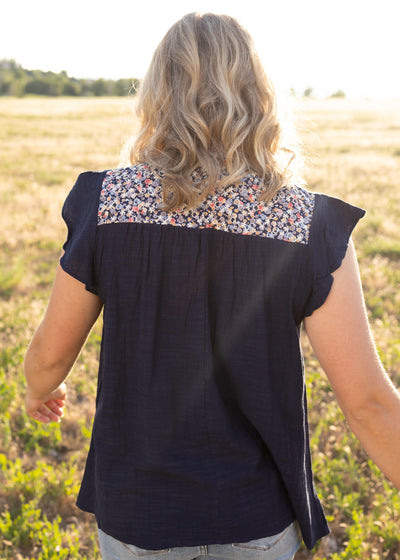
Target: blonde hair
206 103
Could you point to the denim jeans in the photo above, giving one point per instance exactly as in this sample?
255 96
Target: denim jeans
282 546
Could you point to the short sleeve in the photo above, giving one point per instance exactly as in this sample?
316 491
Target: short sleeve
331 227
80 215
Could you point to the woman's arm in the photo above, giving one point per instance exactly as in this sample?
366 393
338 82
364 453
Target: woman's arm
340 336
56 344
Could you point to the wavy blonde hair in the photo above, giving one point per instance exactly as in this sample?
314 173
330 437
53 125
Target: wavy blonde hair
206 103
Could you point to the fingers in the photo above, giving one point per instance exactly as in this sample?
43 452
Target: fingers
56 409
40 416
50 411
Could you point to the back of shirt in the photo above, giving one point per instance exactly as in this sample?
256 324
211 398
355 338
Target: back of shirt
200 434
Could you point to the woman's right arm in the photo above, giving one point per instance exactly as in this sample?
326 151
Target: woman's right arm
341 338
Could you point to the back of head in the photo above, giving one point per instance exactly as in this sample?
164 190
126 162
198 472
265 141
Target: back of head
207 103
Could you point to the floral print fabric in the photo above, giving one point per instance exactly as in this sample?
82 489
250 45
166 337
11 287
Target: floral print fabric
133 194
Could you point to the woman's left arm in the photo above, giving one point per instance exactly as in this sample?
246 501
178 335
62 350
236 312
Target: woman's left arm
70 315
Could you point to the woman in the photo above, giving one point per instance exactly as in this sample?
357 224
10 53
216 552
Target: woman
206 258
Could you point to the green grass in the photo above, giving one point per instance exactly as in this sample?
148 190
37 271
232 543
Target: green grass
45 145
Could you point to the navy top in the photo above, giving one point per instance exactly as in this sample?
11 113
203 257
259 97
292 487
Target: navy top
200 434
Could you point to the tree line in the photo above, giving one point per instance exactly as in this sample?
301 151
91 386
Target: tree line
17 81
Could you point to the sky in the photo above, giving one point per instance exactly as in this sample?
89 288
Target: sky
352 45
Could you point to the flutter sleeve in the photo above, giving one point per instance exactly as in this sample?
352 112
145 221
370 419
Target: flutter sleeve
80 215
332 224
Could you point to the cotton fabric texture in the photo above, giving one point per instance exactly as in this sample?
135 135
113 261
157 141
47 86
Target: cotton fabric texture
200 434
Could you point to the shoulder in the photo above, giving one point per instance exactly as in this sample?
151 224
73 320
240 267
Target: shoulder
84 195
88 184
128 175
306 216
295 198
292 210
333 215
120 180
90 179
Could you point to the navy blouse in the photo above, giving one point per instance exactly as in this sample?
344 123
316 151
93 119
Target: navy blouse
200 434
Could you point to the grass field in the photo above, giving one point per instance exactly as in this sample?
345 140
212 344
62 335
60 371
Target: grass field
44 145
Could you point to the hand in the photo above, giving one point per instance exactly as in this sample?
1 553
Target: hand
49 408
